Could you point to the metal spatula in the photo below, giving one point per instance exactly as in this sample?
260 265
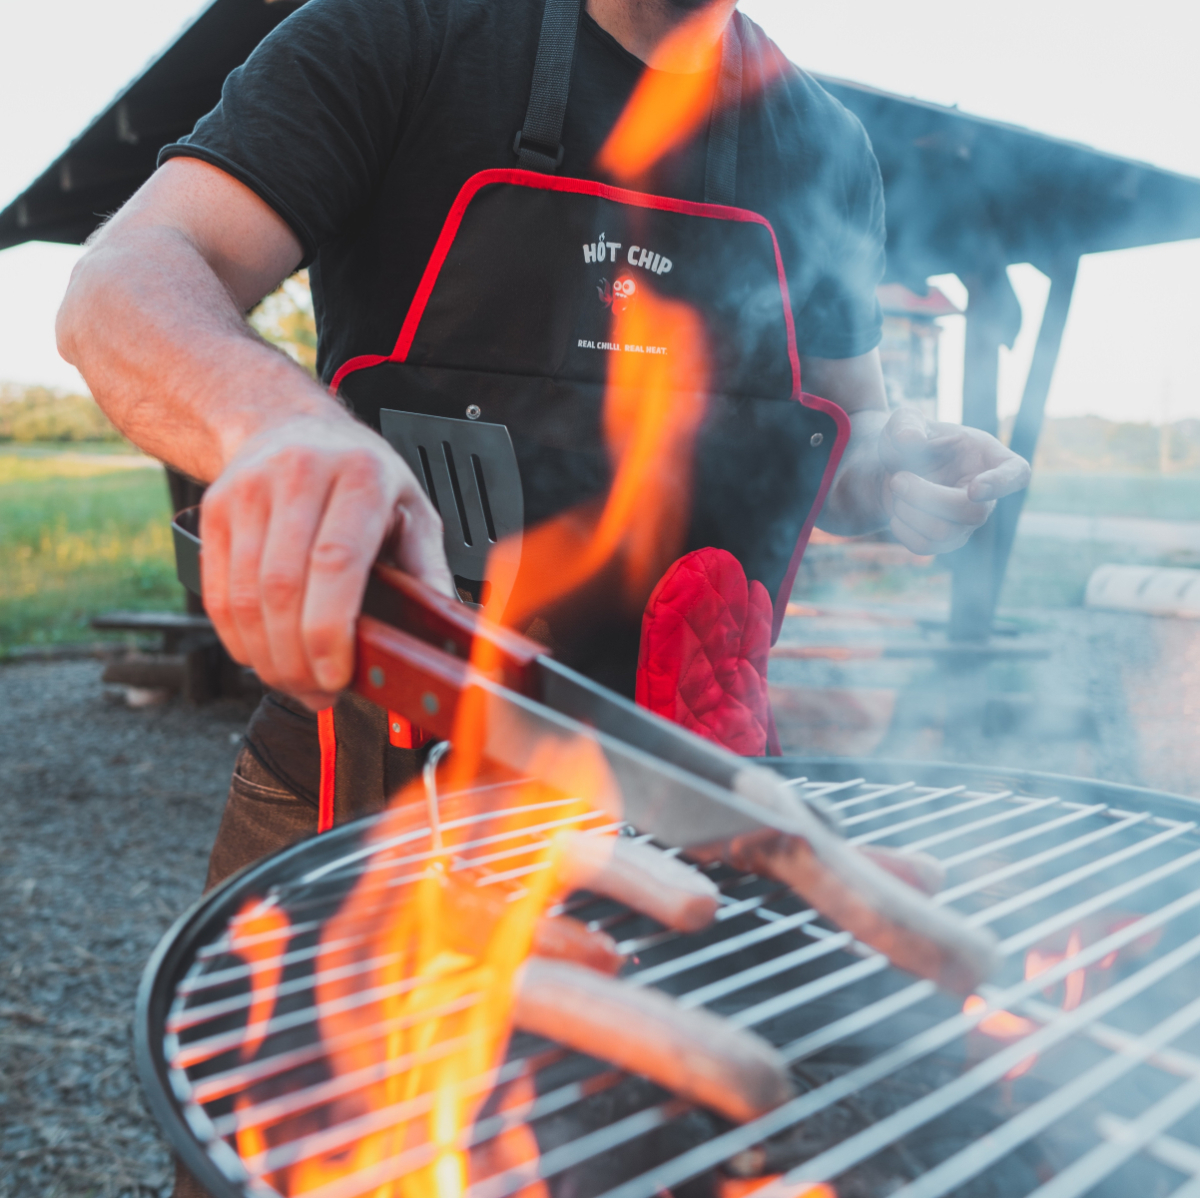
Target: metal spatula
469 471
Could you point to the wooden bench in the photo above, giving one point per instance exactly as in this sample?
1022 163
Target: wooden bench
191 661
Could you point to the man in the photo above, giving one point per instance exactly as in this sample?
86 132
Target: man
342 145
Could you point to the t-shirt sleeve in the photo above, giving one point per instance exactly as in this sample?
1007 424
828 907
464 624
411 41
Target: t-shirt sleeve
841 317
310 121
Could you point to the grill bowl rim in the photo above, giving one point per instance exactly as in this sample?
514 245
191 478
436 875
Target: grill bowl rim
1070 788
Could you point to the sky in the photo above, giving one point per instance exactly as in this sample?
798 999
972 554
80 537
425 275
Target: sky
1119 77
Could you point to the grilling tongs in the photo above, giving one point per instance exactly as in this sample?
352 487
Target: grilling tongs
414 653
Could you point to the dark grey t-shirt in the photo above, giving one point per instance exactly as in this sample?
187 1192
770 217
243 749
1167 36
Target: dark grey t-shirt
358 121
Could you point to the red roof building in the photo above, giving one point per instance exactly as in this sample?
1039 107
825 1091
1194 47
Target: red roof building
909 349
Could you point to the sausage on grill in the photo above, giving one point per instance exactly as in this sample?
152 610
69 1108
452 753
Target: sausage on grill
691 1052
641 877
921 871
852 889
567 939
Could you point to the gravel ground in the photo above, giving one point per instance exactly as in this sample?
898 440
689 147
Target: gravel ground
106 819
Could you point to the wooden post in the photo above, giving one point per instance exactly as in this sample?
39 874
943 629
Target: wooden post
1027 427
991 323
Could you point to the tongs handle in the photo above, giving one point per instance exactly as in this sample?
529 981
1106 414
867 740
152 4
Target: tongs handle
407 626
403 603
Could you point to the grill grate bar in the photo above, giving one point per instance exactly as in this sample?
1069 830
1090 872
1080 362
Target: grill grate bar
199 1050
185 1020
1087 1171
520 849
919 821
873 1013
345 1134
1081 1175
704 956
811 990
377 849
1081 910
767 969
815 1101
1170 1060
881 792
232 944
1015 838
1079 874
712 1153
1003 873
229 1081
824 789
275 1109
300 905
830 982
195 1052
1181 1157
906 804
978 825
721 948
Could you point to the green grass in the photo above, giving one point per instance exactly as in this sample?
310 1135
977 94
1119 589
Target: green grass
79 535
1151 496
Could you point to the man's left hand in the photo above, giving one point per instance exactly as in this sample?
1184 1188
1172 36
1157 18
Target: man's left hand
941 481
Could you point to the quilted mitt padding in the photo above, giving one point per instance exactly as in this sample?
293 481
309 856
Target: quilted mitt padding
706 635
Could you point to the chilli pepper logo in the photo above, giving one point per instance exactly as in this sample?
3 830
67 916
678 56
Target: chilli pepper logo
617 295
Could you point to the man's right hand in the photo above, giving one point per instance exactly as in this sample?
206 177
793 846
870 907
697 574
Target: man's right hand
291 529
303 497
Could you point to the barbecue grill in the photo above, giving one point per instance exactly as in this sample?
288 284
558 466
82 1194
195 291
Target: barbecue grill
1077 1070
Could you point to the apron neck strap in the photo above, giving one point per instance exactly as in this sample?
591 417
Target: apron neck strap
720 170
538 144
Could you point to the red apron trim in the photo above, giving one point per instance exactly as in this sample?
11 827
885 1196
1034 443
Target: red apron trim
404 734
534 179
327 736
842 419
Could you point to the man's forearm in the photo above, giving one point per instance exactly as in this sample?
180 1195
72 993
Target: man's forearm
168 355
855 501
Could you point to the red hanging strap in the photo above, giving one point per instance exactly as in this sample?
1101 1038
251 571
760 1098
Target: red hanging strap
328 740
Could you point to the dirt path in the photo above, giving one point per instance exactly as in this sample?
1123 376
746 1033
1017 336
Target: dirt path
106 818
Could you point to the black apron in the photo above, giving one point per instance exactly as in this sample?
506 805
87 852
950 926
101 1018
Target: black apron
516 321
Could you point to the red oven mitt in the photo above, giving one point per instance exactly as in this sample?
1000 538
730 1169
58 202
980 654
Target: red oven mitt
706 635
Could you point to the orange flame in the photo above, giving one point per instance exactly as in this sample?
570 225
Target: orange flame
653 406
744 1187
1003 1025
414 984
258 934
515 1147
675 98
672 99
415 981
450 939
441 961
